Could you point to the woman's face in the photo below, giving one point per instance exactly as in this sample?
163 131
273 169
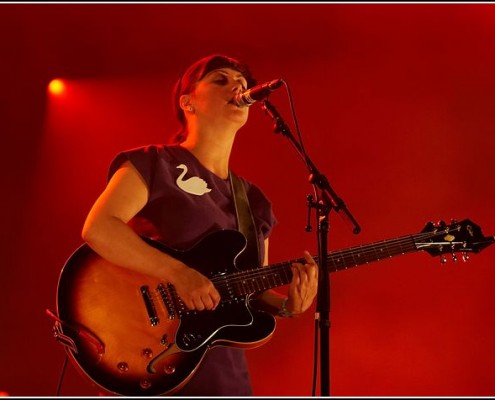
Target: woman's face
212 98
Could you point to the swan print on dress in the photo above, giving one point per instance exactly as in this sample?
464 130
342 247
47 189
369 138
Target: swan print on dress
194 185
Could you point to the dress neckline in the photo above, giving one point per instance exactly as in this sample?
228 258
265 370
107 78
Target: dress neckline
196 161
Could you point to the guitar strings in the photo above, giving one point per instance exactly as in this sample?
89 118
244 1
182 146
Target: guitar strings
253 280
400 245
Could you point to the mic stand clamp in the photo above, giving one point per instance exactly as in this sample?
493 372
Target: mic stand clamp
315 177
326 200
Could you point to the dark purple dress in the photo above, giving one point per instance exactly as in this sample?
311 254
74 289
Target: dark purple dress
186 203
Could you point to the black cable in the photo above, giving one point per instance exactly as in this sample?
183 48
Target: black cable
62 374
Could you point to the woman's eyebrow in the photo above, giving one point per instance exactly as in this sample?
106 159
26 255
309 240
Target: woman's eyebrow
223 72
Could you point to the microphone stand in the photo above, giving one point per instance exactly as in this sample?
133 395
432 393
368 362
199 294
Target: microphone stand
326 200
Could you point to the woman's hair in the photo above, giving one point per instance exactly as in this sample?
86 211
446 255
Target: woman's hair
197 71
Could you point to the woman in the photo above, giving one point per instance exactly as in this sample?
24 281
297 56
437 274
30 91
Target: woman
180 193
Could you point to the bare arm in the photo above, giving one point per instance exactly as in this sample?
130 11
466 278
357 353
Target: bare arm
106 232
302 289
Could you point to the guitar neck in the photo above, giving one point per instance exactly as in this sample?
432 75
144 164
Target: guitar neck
256 280
372 252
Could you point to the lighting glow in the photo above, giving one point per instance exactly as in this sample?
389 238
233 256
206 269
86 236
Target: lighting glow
56 87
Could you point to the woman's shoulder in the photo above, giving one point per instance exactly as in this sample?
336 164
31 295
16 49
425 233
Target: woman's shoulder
166 151
144 158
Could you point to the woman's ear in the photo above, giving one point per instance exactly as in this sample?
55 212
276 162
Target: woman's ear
185 103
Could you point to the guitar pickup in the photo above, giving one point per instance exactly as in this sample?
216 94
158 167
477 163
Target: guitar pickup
150 306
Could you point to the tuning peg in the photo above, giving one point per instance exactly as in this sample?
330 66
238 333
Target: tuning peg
441 224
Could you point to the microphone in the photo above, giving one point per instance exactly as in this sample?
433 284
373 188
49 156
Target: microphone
256 93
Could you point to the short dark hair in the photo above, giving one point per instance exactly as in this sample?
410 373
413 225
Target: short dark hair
197 71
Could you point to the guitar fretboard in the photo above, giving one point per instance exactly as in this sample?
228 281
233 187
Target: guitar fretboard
259 279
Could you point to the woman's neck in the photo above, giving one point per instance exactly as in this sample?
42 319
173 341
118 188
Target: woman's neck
212 150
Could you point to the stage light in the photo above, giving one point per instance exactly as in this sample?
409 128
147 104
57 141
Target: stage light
56 87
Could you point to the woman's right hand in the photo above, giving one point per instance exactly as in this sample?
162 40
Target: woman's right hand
195 290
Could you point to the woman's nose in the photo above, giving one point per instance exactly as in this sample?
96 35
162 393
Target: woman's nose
237 87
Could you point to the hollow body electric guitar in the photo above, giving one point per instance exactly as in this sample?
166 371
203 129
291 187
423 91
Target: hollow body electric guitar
130 334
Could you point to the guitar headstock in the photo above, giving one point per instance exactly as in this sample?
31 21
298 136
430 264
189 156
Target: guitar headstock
459 237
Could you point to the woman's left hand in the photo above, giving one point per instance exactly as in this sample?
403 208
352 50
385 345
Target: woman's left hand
304 285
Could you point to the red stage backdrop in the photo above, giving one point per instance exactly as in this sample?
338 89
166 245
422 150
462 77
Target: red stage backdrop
396 105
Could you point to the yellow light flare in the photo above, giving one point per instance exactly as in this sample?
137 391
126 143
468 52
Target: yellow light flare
56 87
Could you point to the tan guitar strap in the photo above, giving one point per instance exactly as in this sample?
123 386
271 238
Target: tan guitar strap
250 257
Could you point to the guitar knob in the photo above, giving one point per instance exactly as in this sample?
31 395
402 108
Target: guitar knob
145 383
122 366
169 369
147 353
454 257
443 259
465 256
189 339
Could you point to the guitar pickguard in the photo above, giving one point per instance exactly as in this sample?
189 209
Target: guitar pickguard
199 327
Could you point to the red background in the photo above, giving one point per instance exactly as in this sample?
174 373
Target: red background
396 103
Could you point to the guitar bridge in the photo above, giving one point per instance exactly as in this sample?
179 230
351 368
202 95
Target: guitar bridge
169 304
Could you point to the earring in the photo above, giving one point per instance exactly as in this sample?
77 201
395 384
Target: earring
190 109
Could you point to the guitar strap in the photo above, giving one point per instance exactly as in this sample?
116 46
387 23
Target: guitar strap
245 223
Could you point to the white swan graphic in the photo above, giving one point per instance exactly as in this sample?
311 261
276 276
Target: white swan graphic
194 185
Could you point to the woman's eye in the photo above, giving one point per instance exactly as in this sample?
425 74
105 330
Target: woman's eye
221 81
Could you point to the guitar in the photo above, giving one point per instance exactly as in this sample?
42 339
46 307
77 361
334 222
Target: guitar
130 334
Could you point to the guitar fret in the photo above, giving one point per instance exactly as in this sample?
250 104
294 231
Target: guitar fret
377 255
286 274
226 290
333 263
384 252
354 260
239 288
264 283
338 260
258 284
247 284
274 280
